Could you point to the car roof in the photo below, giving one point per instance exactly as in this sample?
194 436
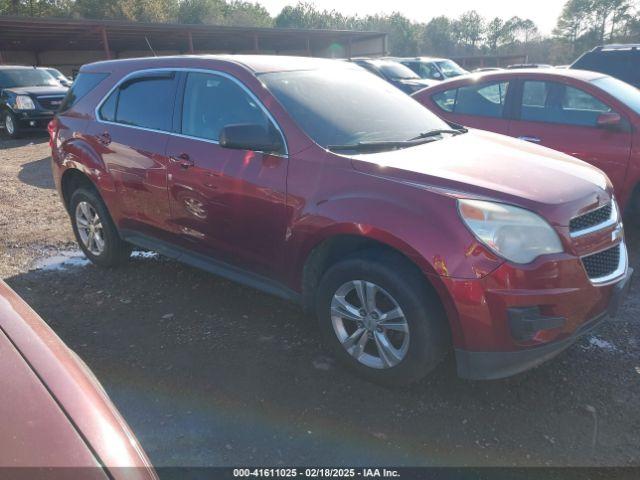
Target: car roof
16 67
421 59
582 75
255 63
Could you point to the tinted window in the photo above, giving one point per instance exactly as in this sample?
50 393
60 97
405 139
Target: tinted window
486 100
211 102
108 108
146 102
425 69
624 92
557 103
345 105
622 64
83 84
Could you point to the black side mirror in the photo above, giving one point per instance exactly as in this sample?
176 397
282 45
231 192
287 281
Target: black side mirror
248 136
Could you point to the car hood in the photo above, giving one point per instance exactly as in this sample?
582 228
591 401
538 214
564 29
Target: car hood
486 165
38 90
417 82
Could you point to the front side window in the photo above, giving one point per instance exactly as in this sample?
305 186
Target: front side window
553 102
212 102
451 69
485 100
344 106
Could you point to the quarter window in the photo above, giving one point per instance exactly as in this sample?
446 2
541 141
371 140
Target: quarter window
212 101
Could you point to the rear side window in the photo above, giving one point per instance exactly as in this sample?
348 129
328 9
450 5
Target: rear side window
622 64
212 102
552 102
145 101
83 84
486 100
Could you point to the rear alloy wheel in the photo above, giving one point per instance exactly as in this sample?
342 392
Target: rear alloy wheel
381 318
370 324
95 232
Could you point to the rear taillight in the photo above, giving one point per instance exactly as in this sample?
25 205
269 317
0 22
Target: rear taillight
51 128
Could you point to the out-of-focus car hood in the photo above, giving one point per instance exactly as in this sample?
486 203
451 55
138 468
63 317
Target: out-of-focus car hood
50 90
53 411
487 165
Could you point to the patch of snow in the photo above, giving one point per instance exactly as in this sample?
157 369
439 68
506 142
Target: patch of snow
62 261
147 254
602 344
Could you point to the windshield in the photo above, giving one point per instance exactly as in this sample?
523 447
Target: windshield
397 70
450 68
627 94
26 77
55 73
349 106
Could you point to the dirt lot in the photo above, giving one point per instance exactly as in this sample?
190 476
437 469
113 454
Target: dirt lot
207 372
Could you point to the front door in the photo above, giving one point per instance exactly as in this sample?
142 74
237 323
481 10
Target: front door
229 204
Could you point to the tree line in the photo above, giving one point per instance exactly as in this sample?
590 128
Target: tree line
581 25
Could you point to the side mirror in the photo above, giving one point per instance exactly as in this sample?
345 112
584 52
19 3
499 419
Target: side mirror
248 136
609 120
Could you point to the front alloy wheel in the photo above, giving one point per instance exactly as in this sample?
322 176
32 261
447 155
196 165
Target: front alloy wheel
89 227
370 324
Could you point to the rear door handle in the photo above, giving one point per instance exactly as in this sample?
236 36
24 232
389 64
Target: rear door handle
183 160
104 138
530 139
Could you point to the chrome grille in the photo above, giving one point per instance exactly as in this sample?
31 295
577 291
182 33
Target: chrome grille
50 102
591 219
603 263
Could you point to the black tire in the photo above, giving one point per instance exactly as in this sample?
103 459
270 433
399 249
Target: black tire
7 116
115 251
429 339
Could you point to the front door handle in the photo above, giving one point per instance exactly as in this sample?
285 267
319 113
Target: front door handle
183 160
530 139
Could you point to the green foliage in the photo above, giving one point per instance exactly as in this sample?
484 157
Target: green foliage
581 25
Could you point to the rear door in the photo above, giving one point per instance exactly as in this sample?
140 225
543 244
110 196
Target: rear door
131 134
228 204
563 117
482 106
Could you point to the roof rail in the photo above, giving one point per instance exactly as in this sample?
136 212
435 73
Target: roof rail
618 46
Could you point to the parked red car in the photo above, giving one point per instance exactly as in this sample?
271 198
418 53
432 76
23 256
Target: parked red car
54 413
588 115
316 181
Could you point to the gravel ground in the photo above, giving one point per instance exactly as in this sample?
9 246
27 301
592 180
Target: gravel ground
208 372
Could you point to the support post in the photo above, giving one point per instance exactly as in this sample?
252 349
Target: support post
105 43
309 47
256 43
190 39
1 58
349 48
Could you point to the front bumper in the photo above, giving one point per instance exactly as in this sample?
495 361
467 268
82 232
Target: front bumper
37 119
479 365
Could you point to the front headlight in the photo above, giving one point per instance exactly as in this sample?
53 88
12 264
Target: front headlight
513 233
24 102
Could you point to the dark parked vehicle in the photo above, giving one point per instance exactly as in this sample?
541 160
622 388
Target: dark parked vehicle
395 73
55 415
431 68
585 114
28 98
318 182
619 61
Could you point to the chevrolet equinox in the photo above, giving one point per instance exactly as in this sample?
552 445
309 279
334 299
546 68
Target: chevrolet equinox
316 181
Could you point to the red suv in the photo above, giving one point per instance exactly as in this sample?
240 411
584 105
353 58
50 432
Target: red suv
589 115
318 182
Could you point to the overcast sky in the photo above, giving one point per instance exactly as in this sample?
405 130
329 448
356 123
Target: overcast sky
543 12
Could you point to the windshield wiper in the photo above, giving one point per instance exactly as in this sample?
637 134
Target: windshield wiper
433 133
381 145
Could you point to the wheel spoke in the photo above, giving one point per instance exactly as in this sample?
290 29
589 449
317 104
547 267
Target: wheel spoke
82 222
366 294
84 208
397 326
352 339
358 349
344 309
99 241
388 354
391 315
